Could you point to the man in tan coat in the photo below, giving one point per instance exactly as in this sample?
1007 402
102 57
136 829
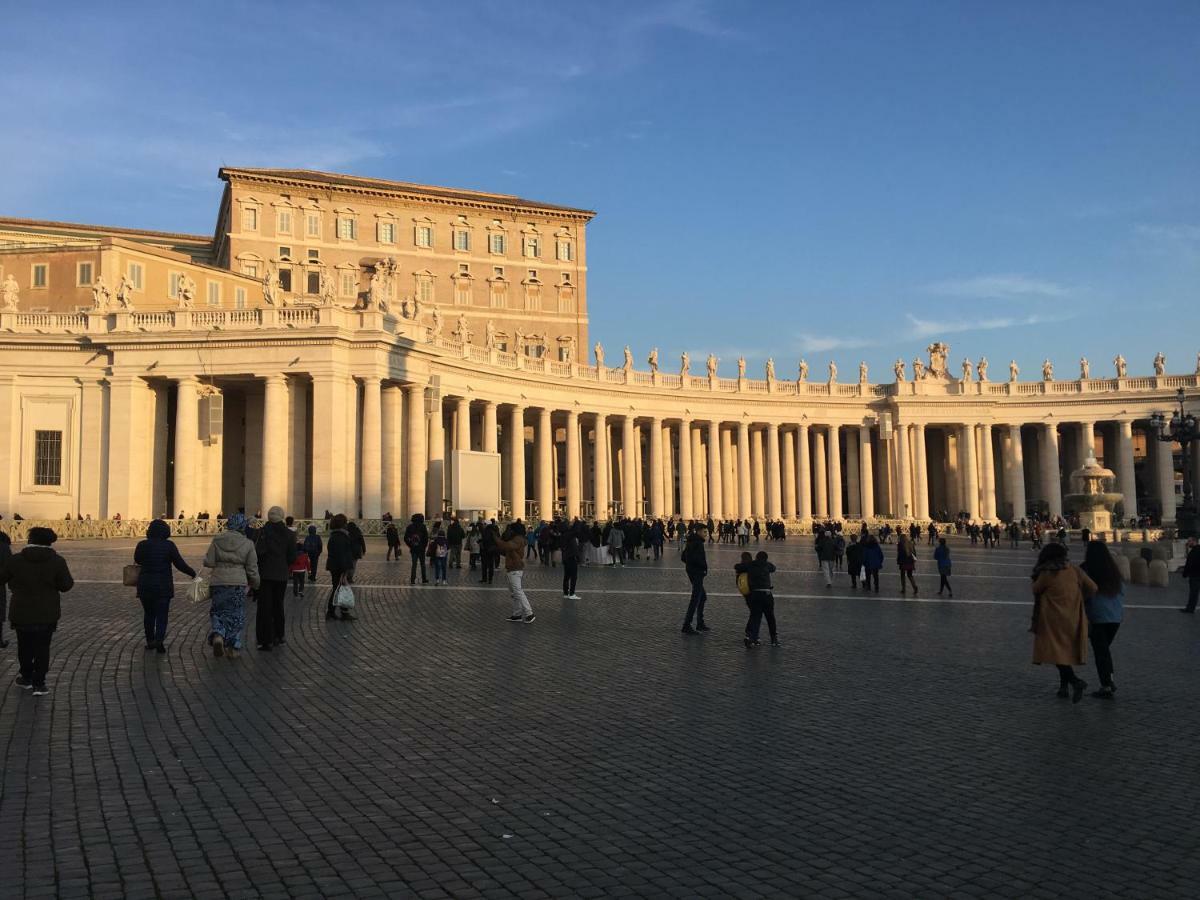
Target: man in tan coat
512 545
1059 621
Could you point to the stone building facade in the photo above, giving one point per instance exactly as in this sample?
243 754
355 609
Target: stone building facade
298 360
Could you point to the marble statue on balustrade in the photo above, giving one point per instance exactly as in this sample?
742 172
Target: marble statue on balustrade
568 350
461 332
598 352
685 364
10 293
770 368
938 352
1085 369
1013 370
652 360
802 374
1160 364
1198 363
981 368
125 294
918 368
832 371
382 280
627 362
711 365
489 334
186 292
967 368
101 296
1047 370
328 288
270 286
518 341
898 369
862 372
435 330
741 368
1119 363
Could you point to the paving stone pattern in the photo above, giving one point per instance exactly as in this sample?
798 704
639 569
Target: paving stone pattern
433 749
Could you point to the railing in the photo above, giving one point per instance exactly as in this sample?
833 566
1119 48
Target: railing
153 321
669 381
1141 384
561 369
478 354
643 378
1030 387
812 388
847 390
297 315
64 321
1178 381
208 318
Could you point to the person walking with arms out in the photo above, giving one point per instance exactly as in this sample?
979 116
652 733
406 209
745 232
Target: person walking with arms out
157 555
941 555
695 564
1058 622
513 544
1104 609
37 578
234 566
761 599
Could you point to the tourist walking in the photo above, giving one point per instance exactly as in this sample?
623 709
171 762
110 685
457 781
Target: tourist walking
299 569
941 555
416 539
1058 622
234 568
616 545
761 598
854 560
313 548
392 535
489 553
872 562
5 556
37 577
358 541
1104 609
906 561
826 552
572 550
695 564
1191 571
157 555
339 561
455 535
512 544
439 553
276 549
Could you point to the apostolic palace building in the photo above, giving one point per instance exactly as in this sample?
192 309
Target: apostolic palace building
336 338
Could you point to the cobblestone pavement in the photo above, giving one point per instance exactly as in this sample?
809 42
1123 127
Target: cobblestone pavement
433 749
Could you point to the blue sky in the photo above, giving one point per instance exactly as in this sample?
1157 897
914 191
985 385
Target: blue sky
828 180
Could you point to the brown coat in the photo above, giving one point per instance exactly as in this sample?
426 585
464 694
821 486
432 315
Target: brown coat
514 552
1061 627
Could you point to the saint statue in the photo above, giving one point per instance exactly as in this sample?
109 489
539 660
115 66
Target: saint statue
328 288
435 330
461 331
803 375
981 368
862 372
598 350
1013 371
966 369
125 293
100 295
685 364
1198 363
918 368
10 293
832 371
1085 369
377 289
711 365
741 367
270 286
187 292
489 334
1119 362
652 360
1160 364
1047 370
568 351
627 363
770 368
898 368
938 353
518 342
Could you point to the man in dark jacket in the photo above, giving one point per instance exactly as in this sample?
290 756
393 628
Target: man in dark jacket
416 539
157 555
1191 571
339 562
5 556
572 550
826 554
314 548
275 546
455 535
695 564
761 599
37 577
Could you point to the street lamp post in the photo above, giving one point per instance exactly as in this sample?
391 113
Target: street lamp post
1184 428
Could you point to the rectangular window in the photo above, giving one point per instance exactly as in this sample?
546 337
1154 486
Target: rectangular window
497 271
462 239
462 293
531 248
314 282
285 252
426 290
250 269
423 236
47 457
214 293
173 280
285 280
502 346
565 251
349 284
312 225
40 276
85 274
566 277
496 243
239 298
285 222
137 275
250 219
563 353
533 275
534 350
314 255
387 232
347 228
465 268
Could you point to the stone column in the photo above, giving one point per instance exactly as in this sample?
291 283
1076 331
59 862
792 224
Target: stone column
372 449
744 510
639 483
390 414
435 493
1164 467
298 484
853 504
686 508
803 475
329 458
187 438
758 471
462 423
866 473
657 506
774 501
729 474
903 504
789 475
1087 442
628 487
920 473
821 510
987 466
574 479
699 498
835 472
516 452
130 434
545 451
1051 483
1015 474
1124 466
971 470
668 472
489 443
414 450
714 470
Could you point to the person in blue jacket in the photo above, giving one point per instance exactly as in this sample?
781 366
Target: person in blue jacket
872 562
157 555
1104 610
941 555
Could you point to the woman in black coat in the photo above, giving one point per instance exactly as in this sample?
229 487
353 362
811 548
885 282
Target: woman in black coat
341 555
157 554
5 556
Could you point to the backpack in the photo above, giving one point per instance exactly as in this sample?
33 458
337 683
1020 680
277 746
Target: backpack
743 583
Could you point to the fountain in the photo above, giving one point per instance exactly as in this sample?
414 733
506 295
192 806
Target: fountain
1092 497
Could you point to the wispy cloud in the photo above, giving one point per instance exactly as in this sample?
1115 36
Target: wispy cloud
820 343
997 287
927 328
1175 239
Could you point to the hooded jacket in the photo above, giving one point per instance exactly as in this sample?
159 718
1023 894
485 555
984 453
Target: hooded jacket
156 555
37 576
514 552
276 548
694 559
233 561
313 545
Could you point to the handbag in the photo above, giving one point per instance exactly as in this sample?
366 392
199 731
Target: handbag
344 598
129 575
743 583
197 591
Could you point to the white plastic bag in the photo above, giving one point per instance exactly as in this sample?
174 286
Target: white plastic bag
197 591
344 598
